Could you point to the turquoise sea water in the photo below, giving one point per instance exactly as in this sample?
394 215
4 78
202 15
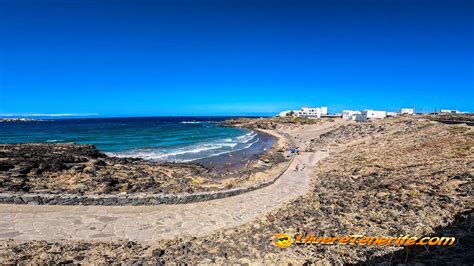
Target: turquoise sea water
180 139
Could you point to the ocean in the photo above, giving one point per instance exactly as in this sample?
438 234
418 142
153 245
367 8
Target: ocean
170 139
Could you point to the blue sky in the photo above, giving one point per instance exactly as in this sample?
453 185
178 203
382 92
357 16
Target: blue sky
234 57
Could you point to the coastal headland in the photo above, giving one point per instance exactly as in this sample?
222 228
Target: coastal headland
403 175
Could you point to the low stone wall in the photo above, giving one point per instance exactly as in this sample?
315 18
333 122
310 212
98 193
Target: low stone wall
133 199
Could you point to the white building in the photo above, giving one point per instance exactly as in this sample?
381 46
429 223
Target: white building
392 114
407 111
306 112
370 114
451 111
312 112
350 114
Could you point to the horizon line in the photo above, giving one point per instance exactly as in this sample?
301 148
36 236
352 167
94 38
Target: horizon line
51 115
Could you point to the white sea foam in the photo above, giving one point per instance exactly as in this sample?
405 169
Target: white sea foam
217 154
197 122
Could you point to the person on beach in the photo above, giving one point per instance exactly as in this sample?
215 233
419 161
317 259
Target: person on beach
297 167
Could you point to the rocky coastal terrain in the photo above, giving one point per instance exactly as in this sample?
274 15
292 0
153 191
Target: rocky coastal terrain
81 169
273 122
391 177
7 120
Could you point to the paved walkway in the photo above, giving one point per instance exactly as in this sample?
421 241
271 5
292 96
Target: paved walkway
149 223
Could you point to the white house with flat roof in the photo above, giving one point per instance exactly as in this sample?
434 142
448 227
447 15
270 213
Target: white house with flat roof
451 111
407 111
373 114
370 114
350 114
307 112
315 112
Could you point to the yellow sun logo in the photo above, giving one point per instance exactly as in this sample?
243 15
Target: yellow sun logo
282 240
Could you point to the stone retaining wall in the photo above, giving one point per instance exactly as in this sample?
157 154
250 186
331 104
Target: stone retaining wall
133 199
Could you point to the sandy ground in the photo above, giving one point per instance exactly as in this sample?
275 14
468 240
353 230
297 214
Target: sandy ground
304 134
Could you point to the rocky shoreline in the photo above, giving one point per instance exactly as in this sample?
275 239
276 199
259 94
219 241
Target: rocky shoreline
81 172
271 123
132 199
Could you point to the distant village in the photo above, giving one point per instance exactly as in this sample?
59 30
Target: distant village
359 116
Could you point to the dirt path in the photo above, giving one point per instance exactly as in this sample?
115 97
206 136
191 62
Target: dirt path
149 223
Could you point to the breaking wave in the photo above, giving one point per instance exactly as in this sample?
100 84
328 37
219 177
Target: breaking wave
197 122
54 140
